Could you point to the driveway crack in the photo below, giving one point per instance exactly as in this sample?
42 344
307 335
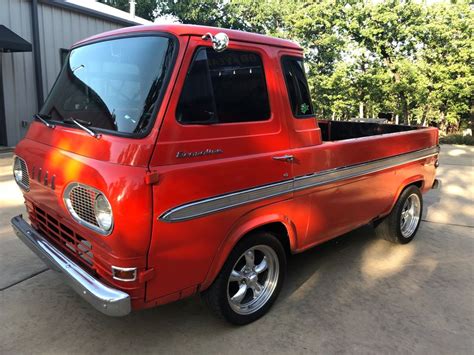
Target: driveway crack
26 278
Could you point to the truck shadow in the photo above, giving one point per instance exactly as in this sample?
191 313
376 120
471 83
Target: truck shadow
304 272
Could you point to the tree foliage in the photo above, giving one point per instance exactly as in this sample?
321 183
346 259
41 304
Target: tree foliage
144 8
412 59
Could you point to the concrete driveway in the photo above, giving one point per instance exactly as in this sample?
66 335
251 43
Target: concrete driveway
356 294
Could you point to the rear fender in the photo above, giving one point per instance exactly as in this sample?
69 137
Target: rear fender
409 181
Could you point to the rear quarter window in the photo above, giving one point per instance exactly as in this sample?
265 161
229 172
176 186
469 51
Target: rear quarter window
297 86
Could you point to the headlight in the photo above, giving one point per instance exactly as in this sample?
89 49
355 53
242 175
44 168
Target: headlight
20 173
17 172
103 212
89 207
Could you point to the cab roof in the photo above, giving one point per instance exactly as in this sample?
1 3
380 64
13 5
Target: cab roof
194 30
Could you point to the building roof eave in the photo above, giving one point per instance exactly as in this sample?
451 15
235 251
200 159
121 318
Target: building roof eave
11 42
98 10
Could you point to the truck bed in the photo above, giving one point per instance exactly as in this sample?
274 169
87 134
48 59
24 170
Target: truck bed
340 130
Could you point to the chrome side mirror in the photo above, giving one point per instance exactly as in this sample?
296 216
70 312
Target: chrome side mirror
220 41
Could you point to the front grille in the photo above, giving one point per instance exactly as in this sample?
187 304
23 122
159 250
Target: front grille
63 237
82 201
25 178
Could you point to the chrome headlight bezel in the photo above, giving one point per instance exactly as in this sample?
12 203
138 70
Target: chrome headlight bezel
20 180
94 225
102 207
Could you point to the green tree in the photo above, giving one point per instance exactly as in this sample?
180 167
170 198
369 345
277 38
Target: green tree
407 57
144 8
266 17
391 30
448 57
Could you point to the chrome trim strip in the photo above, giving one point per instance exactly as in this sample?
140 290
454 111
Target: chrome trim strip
105 299
215 204
134 269
219 203
352 171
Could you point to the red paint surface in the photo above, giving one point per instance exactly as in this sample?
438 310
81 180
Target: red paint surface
186 256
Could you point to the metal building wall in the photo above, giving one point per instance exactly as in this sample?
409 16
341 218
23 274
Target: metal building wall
18 70
61 28
58 28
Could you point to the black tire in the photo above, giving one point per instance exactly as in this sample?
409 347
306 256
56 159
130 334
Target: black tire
217 296
390 227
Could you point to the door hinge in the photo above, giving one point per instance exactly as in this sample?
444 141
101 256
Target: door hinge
152 177
146 275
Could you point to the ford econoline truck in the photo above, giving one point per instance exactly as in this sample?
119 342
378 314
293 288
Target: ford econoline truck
173 160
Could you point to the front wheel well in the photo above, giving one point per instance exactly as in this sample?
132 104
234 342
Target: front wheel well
278 229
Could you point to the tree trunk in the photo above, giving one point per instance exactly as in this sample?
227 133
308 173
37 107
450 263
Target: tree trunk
361 110
423 115
401 94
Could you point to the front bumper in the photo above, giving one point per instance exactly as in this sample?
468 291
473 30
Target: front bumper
105 299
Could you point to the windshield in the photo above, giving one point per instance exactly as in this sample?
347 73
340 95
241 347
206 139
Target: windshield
113 84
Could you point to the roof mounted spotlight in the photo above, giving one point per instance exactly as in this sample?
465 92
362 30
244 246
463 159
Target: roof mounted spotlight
220 41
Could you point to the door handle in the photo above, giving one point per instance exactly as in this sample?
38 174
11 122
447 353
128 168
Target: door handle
286 157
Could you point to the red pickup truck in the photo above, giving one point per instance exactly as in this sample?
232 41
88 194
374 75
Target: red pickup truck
171 160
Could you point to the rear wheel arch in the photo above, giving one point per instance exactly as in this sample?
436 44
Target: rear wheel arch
401 225
419 184
417 180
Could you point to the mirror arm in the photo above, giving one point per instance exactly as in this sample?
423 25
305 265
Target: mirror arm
220 41
208 36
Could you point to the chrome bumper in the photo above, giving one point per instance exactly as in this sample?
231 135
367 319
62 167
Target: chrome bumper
105 299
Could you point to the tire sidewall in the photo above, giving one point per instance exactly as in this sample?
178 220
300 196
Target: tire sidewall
260 238
398 215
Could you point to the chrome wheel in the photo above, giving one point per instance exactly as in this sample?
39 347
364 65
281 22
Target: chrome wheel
410 217
253 279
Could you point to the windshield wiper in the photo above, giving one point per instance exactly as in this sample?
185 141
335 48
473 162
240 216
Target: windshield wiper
42 118
82 125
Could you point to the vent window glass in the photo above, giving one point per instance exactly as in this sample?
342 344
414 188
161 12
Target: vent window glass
298 91
223 88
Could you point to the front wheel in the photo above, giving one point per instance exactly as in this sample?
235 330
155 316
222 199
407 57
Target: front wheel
401 225
250 279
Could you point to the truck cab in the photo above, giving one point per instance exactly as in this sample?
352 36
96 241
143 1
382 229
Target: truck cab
170 160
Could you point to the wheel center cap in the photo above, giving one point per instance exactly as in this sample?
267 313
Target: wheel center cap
252 278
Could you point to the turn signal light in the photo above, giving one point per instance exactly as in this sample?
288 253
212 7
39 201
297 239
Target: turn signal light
127 274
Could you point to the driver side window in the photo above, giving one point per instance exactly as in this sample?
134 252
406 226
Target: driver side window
224 87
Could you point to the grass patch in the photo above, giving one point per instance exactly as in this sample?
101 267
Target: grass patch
457 139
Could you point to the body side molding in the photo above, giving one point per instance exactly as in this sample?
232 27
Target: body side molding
229 200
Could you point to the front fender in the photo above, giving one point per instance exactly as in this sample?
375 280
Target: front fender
247 223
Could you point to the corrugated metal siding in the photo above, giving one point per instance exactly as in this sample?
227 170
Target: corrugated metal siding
59 28
18 70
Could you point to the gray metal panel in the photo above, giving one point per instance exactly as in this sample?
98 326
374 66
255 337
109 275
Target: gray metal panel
18 75
59 28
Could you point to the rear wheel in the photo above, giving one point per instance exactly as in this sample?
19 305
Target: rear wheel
250 279
401 225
